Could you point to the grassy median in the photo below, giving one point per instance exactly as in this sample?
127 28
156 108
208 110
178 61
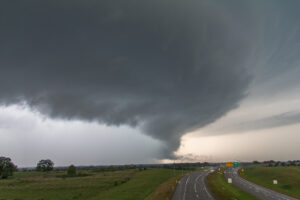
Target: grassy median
222 190
288 178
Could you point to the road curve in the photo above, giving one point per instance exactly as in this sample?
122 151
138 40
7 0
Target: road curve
193 187
254 189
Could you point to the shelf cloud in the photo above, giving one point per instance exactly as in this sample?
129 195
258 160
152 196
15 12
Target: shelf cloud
164 67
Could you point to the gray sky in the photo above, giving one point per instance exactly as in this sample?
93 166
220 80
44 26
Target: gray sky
116 82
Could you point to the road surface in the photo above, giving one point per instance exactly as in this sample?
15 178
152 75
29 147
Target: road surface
256 190
193 187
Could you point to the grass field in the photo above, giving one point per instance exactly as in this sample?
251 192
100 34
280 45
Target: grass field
141 186
221 190
288 178
125 184
165 190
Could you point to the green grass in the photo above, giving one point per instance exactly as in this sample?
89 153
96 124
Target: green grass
47 186
141 186
222 190
165 190
125 184
288 178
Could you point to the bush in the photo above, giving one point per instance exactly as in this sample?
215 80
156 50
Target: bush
270 165
71 171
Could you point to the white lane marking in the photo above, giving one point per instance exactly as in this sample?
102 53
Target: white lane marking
196 181
262 190
202 175
187 180
209 195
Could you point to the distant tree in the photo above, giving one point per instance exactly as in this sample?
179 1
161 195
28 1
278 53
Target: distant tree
255 162
283 164
71 171
293 163
45 165
6 167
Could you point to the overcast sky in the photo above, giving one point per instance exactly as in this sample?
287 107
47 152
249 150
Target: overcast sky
120 82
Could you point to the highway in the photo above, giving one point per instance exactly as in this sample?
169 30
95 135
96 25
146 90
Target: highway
192 186
256 190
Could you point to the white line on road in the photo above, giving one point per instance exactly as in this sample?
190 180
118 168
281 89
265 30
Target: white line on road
187 180
209 195
259 189
195 184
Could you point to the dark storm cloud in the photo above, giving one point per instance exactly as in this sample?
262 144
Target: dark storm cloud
166 67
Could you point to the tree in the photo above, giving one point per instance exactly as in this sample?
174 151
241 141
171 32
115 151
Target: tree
6 167
293 163
45 165
71 171
270 165
277 164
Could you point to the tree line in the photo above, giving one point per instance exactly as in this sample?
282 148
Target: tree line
272 163
7 167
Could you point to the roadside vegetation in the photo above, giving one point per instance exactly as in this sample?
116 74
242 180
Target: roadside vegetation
150 184
90 184
166 190
222 190
287 175
45 182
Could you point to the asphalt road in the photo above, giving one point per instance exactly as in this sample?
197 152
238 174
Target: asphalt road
192 186
256 190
